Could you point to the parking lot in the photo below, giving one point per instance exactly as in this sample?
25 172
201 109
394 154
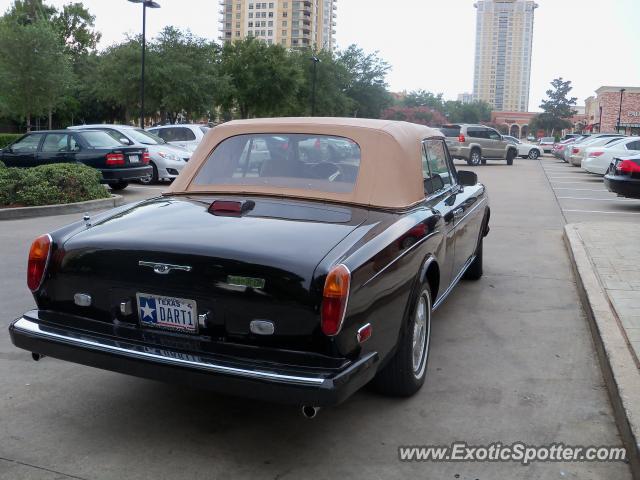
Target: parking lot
583 197
512 359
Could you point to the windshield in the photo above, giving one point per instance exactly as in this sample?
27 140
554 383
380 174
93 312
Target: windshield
100 140
547 139
300 161
204 129
146 138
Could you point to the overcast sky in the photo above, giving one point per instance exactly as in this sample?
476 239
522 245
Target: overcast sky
430 43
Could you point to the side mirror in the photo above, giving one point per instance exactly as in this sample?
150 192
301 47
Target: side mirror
467 178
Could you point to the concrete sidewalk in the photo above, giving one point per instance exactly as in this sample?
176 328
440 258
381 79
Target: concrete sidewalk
607 269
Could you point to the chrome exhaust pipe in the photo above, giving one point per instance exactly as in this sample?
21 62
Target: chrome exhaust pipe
309 411
36 356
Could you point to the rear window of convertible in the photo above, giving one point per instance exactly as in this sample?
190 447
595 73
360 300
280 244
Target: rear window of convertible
301 161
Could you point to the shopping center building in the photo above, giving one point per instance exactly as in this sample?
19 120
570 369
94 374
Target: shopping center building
614 109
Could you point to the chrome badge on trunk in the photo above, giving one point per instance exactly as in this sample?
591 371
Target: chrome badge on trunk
164 268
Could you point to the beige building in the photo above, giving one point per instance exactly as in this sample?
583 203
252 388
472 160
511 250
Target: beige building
504 34
291 23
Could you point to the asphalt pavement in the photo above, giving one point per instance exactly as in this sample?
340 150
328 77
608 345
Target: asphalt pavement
583 197
512 360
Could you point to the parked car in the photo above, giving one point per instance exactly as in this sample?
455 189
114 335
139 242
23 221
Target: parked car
566 153
166 160
623 176
578 149
598 159
546 144
185 135
558 147
118 164
569 136
525 150
476 144
300 281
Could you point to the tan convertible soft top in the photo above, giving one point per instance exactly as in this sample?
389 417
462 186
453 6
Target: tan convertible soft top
390 167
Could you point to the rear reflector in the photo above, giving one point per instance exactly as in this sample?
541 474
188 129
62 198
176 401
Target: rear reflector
38 259
115 159
628 166
334 300
364 333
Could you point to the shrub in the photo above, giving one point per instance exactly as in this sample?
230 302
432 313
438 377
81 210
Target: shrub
7 138
2 165
50 184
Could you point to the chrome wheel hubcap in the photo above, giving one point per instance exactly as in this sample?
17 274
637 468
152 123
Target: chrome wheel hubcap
475 158
421 332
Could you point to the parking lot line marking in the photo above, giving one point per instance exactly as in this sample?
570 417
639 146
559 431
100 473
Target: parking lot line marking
579 183
603 211
600 199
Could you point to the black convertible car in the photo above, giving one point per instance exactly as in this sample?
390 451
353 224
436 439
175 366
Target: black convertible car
296 272
118 164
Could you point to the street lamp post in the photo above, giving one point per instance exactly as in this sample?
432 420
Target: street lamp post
315 60
622 90
145 4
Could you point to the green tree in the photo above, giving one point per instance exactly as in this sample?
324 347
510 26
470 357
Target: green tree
331 80
366 86
557 108
474 112
34 71
183 74
422 98
115 80
261 79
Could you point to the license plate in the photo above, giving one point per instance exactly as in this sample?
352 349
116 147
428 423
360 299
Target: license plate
178 314
134 159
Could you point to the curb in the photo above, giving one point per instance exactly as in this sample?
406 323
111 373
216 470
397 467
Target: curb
616 359
46 210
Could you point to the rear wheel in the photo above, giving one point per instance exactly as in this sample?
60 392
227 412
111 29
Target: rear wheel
534 154
511 154
405 373
116 187
475 158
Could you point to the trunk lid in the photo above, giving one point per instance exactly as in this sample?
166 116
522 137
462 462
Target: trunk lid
258 266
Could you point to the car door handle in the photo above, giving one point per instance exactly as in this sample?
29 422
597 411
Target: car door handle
458 211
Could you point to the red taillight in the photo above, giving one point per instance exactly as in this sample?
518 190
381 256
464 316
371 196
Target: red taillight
575 150
146 158
38 258
334 300
595 154
115 159
628 166
461 138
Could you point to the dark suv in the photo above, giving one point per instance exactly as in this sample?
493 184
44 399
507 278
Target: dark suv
477 143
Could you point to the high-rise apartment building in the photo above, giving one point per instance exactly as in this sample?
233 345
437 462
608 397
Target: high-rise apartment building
504 35
291 23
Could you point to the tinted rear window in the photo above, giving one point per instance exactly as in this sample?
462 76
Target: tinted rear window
301 161
450 131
